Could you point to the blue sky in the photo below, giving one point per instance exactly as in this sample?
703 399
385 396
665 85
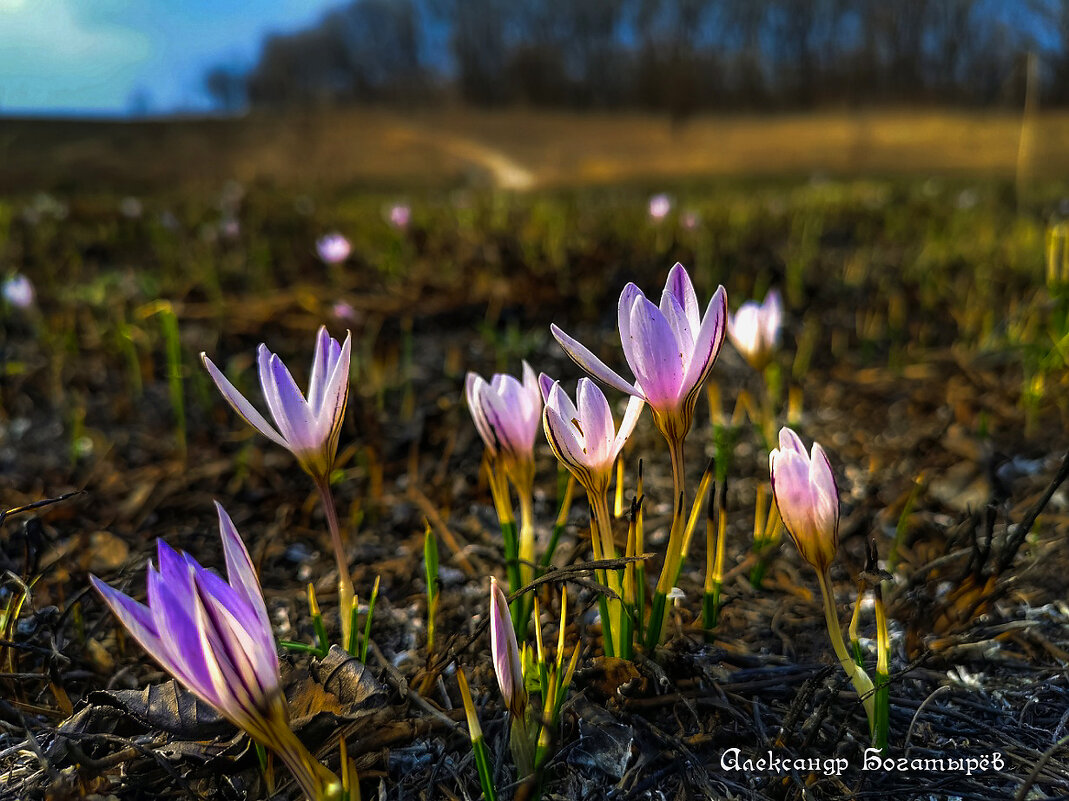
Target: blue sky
93 56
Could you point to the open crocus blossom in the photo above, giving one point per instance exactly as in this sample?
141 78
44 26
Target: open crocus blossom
669 348
506 414
583 435
754 329
308 427
215 638
333 248
807 498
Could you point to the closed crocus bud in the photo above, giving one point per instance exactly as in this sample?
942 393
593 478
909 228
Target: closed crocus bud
807 498
506 414
754 329
506 653
214 636
308 427
669 348
583 435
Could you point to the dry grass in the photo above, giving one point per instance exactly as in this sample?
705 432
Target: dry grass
515 148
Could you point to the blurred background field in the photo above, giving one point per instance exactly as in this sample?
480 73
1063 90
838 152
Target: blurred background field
898 170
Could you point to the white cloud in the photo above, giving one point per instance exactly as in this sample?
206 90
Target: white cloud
51 57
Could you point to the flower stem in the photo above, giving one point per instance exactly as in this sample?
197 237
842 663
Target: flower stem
603 524
673 556
318 783
858 677
345 582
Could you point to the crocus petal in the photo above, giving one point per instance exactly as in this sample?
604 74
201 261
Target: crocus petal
545 384
566 440
655 358
623 316
506 652
475 385
182 654
708 342
530 383
239 568
591 363
335 396
241 406
137 618
790 485
825 492
680 325
320 364
627 424
772 317
561 403
789 441
288 406
679 286
249 646
596 419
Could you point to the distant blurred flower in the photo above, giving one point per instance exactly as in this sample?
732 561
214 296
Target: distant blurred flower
214 636
506 653
660 205
507 415
343 311
807 498
754 329
169 221
307 428
18 291
130 207
230 228
400 215
583 435
333 248
691 220
669 349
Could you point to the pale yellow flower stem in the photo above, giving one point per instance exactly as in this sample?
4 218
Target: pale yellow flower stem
858 677
345 582
318 783
603 524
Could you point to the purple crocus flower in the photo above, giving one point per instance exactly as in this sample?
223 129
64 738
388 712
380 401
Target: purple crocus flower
400 215
583 435
506 653
333 248
309 428
807 498
18 291
670 349
214 636
754 329
506 414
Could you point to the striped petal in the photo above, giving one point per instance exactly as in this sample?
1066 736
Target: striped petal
241 405
582 356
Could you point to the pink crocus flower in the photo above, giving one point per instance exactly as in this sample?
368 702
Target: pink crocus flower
214 637
583 435
669 348
307 427
507 414
400 215
508 666
807 498
333 248
660 205
754 329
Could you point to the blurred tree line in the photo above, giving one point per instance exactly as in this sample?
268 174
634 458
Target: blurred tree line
675 56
